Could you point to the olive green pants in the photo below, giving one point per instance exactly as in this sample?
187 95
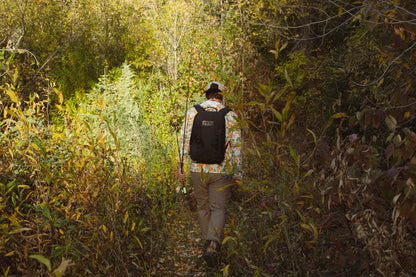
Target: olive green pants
212 193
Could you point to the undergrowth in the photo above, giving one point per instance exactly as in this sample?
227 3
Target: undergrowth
74 196
91 194
319 206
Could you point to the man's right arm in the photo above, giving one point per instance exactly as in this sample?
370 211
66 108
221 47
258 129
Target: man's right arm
185 136
183 149
236 148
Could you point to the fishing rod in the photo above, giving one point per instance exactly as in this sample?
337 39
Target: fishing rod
186 117
181 187
181 155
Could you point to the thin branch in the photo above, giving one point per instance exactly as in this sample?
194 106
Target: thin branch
386 70
51 56
20 51
23 51
401 107
287 27
354 16
401 8
396 21
298 26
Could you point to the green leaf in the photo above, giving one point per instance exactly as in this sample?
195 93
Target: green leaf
13 96
266 245
60 271
391 122
264 90
293 154
43 260
138 241
227 238
16 231
339 115
10 186
286 109
288 78
277 114
60 96
46 212
277 44
253 103
275 53
307 173
389 137
225 270
15 76
329 123
313 134
380 82
284 46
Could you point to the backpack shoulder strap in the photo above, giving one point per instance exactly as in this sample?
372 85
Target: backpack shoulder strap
199 108
224 111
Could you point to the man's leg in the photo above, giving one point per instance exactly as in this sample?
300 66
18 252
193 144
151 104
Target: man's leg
219 191
201 196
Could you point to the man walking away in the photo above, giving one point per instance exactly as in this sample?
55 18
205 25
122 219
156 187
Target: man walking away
211 137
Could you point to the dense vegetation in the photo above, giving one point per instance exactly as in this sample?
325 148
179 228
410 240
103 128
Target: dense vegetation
92 94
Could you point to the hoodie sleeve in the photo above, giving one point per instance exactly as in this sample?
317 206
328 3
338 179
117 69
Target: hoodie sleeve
185 136
234 137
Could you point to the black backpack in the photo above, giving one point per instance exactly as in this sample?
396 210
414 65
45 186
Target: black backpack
207 143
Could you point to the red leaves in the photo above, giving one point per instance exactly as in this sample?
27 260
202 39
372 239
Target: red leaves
374 117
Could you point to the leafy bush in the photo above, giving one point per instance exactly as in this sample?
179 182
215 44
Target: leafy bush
74 194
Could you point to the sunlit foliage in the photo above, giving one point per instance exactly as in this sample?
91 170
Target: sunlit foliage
92 94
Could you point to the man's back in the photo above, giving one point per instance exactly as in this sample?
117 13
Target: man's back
232 138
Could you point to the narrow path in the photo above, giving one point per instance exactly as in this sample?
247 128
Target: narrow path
183 256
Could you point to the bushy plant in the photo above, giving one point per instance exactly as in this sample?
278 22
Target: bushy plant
73 194
115 105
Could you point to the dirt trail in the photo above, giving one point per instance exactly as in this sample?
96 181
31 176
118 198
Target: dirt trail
184 252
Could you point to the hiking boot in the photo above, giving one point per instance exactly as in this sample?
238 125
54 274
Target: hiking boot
211 255
211 259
